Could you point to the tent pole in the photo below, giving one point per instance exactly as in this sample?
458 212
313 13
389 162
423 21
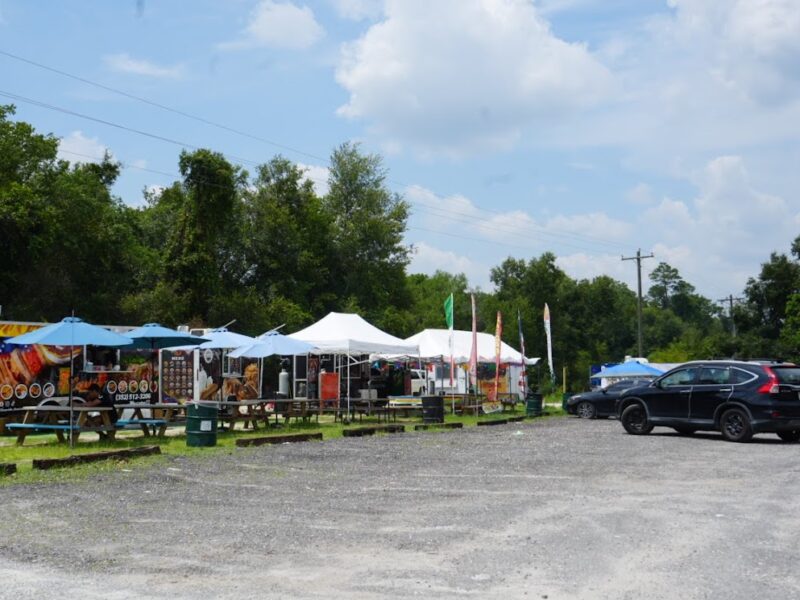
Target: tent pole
71 376
348 384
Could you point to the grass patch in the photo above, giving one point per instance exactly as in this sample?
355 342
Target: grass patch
46 445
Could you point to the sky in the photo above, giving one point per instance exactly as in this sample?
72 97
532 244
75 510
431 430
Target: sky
587 128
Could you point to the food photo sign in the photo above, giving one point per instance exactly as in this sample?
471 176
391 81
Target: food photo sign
31 374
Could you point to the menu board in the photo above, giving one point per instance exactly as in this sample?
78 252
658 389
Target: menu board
177 375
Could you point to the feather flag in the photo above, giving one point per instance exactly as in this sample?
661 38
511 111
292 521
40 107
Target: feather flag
473 355
549 341
448 317
498 335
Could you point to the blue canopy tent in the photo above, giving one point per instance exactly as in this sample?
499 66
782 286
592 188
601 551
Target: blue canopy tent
71 331
628 369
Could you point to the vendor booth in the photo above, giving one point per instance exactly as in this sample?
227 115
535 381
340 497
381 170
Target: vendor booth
343 343
435 352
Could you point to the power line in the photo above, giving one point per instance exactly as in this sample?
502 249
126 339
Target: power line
159 105
592 239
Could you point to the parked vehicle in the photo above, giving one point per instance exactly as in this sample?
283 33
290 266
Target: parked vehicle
601 403
737 398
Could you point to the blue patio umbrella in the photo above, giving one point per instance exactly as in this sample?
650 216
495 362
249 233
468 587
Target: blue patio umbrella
153 335
628 369
272 343
222 339
71 331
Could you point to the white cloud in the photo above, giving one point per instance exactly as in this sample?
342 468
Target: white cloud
278 25
755 43
641 194
155 189
516 227
318 175
583 265
720 238
358 10
76 147
470 75
124 63
428 259
716 239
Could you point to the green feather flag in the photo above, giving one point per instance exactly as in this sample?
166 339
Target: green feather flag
448 311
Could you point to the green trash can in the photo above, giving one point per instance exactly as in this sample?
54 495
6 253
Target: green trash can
564 398
533 405
201 424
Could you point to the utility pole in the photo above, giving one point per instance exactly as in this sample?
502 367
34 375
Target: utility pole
639 258
730 300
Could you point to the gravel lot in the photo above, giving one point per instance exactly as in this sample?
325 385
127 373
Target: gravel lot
561 508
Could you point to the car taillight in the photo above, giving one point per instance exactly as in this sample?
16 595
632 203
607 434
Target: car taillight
772 386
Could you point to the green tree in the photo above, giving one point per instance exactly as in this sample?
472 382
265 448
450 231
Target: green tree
368 222
768 294
65 241
288 241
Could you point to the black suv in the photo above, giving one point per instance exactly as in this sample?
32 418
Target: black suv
737 398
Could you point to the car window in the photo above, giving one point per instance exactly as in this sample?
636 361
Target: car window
790 375
681 377
620 385
741 376
714 376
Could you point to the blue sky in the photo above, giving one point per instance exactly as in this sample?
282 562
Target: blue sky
588 128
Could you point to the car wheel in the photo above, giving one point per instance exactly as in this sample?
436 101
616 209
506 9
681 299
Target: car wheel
586 410
735 426
790 436
634 420
685 430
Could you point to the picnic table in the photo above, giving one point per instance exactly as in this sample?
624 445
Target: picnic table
508 400
299 408
465 404
56 419
231 412
161 416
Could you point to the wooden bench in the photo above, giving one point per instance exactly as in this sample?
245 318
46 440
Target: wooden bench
77 459
158 426
52 418
494 422
278 439
362 431
455 425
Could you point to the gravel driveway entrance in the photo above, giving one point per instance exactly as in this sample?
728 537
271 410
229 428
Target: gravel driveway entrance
562 508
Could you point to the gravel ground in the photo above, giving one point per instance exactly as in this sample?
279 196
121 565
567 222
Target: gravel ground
560 508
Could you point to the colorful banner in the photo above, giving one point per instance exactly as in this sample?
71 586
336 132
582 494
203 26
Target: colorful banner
549 341
473 355
494 405
33 374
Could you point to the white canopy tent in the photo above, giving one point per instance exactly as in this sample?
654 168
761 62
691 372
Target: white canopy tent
346 334
435 343
343 333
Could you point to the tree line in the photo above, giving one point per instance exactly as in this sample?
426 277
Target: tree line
266 249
